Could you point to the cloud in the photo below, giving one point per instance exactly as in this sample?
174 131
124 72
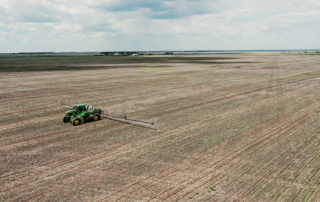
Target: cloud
87 25
168 9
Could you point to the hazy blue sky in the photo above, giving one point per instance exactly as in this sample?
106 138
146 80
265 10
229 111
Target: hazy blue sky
113 25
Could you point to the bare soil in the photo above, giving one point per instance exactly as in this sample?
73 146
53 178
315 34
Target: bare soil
228 127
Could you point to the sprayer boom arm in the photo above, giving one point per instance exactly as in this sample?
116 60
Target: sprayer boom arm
67 106
108 115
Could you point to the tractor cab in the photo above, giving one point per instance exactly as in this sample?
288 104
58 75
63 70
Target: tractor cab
80 108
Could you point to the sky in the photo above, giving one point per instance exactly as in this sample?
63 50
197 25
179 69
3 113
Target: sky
154 25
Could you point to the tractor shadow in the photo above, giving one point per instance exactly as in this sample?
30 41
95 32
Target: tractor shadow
90 121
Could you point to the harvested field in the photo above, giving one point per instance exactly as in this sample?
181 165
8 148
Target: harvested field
228 127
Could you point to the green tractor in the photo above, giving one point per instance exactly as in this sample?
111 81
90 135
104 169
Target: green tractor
81 113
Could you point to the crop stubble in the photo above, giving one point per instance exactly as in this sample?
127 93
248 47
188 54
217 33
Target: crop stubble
245 123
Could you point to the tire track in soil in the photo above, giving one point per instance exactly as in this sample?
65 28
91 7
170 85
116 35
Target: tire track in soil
203 185
243 185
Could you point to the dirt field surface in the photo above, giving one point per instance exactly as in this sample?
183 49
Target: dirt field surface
228 127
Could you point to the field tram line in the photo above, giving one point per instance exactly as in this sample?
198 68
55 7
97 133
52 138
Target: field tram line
172 142
262 163
161 193
199 178
295 196
254 185
259 89
305 162
314 173
312 195
283 143
255 129
292 165
242 184
293 154
233 110
215 127
268 176
253 152
306 186
303 175
312 177
168 145
205 102
161 150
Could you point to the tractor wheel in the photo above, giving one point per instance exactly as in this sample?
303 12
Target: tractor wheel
66 120
76 121
96 117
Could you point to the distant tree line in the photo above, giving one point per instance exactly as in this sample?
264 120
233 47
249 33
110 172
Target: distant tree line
118 53
123 53
313 52
305 52
168 53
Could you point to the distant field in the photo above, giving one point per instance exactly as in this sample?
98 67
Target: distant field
228 127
